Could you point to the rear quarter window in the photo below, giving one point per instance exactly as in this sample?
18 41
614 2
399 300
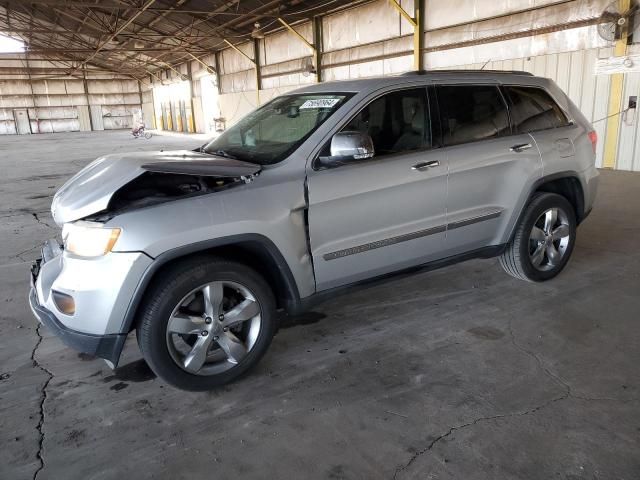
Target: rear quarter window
533 109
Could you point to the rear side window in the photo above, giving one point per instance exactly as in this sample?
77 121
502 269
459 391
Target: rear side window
533 109
470 113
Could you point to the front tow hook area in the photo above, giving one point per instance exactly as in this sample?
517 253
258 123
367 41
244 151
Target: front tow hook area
107 347
35 271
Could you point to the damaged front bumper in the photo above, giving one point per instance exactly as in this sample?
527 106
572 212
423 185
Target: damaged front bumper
101 290
107 347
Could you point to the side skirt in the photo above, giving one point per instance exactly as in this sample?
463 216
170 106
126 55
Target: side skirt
309 302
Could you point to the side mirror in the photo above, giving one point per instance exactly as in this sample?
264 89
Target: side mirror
348 146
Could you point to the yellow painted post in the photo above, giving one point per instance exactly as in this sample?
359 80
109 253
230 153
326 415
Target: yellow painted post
179 121
418 35
418 31
615 100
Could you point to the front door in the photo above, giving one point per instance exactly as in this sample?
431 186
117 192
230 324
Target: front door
372 217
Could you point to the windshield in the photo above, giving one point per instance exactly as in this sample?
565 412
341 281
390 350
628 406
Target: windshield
269 134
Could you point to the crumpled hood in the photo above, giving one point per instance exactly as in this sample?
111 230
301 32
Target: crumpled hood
90 190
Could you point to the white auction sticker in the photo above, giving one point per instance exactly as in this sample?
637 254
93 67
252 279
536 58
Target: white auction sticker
320 103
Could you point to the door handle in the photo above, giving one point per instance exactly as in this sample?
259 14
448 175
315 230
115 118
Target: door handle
422 166
521 147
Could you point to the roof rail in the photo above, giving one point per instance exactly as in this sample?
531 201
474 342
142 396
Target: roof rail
473 72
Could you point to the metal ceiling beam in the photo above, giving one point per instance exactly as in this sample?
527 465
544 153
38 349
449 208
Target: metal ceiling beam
83 29
119 6
297 34
403 12
255 61
239 51
71 37
272 6
120 29
181 41
208 68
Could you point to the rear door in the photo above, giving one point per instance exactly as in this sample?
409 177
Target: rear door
535 112
491 168
371 217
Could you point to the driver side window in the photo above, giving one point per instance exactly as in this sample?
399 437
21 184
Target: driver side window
396 122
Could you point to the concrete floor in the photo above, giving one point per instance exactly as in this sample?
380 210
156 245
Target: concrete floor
461 373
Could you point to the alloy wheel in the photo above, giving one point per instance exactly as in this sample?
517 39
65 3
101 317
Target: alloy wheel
213 328
549 239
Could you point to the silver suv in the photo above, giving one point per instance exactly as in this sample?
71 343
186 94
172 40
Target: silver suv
318 190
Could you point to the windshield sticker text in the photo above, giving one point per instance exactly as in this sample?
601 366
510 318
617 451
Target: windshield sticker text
320 103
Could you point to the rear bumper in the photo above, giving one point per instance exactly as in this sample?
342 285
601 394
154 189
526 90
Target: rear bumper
103 346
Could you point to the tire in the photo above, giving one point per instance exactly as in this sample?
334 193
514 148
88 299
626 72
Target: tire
541 254
148 135
175 315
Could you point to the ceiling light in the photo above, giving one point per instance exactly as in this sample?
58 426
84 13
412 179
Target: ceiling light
257 32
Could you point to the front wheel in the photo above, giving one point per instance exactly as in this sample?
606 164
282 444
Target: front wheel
205 322
543 240
147 135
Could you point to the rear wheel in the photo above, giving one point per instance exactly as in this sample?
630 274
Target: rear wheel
543 240
205 322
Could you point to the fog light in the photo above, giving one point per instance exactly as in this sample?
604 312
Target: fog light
64 302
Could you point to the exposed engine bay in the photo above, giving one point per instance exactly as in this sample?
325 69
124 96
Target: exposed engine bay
117 183
152 188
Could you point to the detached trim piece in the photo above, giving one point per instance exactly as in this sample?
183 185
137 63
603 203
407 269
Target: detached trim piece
410 236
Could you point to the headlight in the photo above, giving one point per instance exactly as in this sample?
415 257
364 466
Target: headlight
89 239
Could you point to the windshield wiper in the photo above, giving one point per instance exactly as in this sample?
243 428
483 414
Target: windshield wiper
222 153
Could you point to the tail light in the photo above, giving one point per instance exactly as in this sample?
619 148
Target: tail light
593 136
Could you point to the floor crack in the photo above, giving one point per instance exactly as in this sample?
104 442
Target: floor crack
541 365
43 398
40 221
556 379
472 423
569 391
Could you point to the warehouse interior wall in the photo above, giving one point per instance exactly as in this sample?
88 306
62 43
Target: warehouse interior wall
33 102
556 39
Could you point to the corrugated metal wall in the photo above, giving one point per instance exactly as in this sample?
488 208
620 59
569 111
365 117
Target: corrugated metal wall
60 105
374 39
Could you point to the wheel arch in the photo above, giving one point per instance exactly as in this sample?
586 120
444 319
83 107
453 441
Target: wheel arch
254 250
568 185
